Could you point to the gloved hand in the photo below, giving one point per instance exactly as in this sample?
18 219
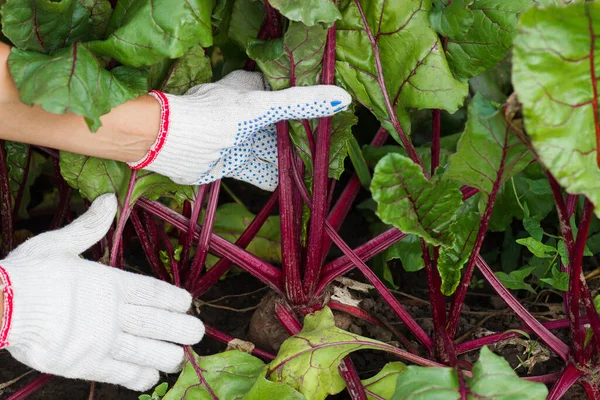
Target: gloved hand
67 316
227 129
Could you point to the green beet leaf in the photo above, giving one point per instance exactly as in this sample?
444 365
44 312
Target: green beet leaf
72 80
493 378
232 219
453 258
300 61
557 85
487 40
309 12
393 64
96 176
49 25
383 385
188 71
246 19
230 375
413 204
488 152
451 18
309 360
265 389
420 383
142 33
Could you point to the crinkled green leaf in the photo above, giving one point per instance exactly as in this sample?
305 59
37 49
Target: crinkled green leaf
246 19
266 50
96 176
303 49
493 378
188 71
72 80
515 280
451 18
158 73
309 360
48 25
413 204
488 39
309 12
232 219
264 389
452 258
538 248
488 150
341 134
412 72
230 375
142 33
559 280
221 20
383 385
555 79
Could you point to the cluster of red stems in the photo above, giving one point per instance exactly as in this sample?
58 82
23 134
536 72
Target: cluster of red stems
305 276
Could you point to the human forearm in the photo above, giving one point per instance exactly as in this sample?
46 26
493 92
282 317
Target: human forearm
126 134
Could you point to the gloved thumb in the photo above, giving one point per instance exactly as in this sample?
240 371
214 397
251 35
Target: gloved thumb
80 234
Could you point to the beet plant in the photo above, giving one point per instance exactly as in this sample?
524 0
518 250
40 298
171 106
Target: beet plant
487 128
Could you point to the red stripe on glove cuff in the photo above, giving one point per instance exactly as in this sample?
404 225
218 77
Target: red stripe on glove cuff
8 308
162 134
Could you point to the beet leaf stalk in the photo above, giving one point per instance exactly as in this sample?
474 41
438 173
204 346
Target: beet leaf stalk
290 243
320 179
5 205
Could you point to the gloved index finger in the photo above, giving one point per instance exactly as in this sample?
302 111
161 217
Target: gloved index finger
150 292
305 102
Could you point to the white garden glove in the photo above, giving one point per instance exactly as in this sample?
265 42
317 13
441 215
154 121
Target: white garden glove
227 129
75 318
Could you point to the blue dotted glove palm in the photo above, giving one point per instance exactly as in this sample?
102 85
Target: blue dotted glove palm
227 128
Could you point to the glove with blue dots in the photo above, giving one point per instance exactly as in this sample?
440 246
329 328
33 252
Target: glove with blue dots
227 128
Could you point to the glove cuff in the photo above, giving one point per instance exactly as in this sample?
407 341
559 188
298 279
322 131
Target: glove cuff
8 305
165 119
